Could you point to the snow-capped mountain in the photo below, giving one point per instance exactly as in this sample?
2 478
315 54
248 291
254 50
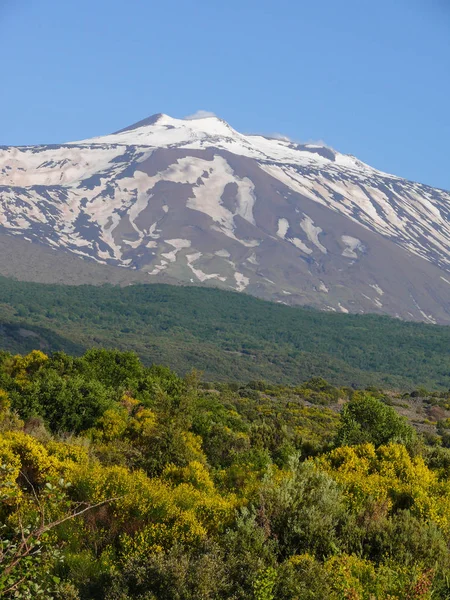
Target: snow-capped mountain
195 201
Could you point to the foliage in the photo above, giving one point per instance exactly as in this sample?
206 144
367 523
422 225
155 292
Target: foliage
229 336
125 482
366 419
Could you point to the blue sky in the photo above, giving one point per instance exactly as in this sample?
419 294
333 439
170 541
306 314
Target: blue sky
370 78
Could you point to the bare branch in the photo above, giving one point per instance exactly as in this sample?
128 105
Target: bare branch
14 585
54 524
26 546
38 502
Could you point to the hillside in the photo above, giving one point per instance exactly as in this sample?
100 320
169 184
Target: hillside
228 336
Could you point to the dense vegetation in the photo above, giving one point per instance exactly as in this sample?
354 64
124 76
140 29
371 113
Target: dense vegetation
228 336
120 482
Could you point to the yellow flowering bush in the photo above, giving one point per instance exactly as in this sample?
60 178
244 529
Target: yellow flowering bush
194 473
20 366
389 475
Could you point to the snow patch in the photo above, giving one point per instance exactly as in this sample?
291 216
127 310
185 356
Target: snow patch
241 281
377 288
207 198
428 318
159 268
152 231
353 244
178 244
222 253
300 245
283 226
201 275
313 232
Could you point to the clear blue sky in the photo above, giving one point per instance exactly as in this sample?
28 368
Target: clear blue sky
371 78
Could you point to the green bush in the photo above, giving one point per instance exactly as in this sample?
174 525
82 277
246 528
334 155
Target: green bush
367 419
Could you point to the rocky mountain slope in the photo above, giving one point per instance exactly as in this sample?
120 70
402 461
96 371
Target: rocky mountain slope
196 202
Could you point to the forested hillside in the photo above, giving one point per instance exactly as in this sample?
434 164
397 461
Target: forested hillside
229 336
121 482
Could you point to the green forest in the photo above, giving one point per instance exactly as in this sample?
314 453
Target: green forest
120 481
229 336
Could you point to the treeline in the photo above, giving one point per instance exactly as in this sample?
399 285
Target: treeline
229 336
120 482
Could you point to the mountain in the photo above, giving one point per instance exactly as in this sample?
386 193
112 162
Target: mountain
195 202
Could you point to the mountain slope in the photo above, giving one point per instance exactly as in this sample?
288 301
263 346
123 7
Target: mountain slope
194 201
228 336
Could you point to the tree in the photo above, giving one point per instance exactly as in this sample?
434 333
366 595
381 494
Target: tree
365 419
